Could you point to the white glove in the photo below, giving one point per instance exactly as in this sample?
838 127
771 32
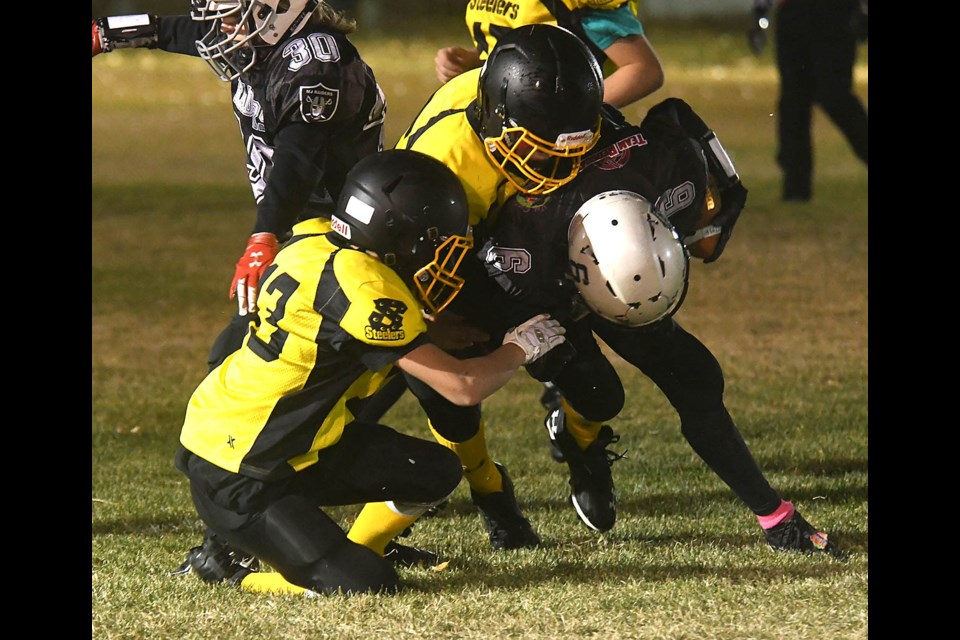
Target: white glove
536 336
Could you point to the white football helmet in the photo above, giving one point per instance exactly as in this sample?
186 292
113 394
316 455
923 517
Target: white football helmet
258 23
629 263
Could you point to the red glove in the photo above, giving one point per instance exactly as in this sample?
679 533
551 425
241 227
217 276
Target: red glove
97 45
261 250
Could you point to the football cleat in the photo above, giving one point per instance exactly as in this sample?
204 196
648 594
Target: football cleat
505 524
591 482
215 562
401 555
796 534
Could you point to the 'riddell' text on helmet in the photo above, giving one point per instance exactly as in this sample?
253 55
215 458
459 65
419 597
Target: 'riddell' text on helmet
538 105
253 23
411 210
628 262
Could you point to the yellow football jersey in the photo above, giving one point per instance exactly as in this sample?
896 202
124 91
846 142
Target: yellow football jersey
443 130
487 19
331 324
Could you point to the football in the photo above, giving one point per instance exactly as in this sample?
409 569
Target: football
703 241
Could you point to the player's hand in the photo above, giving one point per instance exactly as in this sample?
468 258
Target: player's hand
536 336
452 61
261 250
97 40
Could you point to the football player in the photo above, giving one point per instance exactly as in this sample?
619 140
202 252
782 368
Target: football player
610 28
599 241
270 435
522 123
307 104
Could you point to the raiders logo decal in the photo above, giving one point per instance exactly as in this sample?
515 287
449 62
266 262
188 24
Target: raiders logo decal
318 103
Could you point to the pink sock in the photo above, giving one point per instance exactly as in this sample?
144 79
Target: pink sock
783 512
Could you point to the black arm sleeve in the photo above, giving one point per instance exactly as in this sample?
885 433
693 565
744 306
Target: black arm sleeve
179 34
298 166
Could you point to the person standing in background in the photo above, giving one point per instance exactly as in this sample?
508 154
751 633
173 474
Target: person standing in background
816 48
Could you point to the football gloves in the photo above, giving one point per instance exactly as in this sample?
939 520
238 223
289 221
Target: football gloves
536 336
124 32
261 250
97 42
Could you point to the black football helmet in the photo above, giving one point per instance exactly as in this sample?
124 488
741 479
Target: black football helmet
538 104
411 210
259 23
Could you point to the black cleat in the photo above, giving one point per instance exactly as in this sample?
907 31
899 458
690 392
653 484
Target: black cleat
502 518
400 555
796 534
591 481
215 562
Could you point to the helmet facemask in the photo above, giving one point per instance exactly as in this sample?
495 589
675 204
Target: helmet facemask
258 23
536 166
436 282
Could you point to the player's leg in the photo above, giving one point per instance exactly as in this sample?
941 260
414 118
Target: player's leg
591 395
691 378
462 430
250 519
833 56
795 104
398 476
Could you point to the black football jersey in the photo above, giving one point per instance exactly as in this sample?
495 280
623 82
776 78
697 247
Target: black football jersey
317 78
525 246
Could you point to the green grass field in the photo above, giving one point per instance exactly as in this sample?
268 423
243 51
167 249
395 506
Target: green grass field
784 310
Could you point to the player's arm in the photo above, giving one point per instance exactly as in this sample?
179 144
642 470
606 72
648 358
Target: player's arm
639 72
468 382
452 61
621 36
731 193
176 34
298 165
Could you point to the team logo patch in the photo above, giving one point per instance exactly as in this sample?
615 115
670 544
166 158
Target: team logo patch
616 155
386 321
529 202
318 103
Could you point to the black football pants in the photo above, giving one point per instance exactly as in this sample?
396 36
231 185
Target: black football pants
691 378
281 522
